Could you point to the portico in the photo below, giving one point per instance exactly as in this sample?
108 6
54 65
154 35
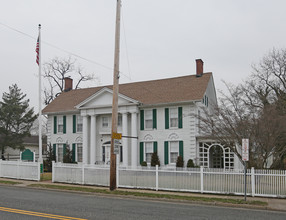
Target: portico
97 131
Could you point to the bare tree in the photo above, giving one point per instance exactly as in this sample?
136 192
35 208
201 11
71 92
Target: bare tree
56 70
255 110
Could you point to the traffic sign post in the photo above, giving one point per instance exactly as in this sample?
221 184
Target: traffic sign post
245 149
245 157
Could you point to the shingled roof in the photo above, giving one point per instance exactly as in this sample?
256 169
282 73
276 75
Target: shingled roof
172 90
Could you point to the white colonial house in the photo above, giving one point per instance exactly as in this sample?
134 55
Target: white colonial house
155 115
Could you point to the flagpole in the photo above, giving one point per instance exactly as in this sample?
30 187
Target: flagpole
40 98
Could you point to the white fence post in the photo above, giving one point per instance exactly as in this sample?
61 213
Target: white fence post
252 181
18 169
53 171
157 177
39 171
82 171
202 179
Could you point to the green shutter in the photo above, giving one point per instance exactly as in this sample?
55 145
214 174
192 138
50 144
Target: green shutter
166 153
64 151
166 118
180 114
55 124
55 151
74 124
154 118
181 149
65 123
141 152
73 152
155 147
141 120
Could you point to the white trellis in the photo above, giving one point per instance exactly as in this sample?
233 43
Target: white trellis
204 155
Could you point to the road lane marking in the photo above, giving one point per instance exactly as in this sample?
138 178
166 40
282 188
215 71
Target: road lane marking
44 215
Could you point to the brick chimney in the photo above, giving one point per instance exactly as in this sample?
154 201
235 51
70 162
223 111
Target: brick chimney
200 67
68 84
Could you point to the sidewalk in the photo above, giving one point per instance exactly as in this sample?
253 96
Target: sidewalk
275 204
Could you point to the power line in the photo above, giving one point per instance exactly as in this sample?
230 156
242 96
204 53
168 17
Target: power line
81 57
66 51
56 47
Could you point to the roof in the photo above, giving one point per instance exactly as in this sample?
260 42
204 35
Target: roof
171 90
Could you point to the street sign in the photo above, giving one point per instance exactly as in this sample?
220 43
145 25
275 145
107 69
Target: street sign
245 149
116 136
116 146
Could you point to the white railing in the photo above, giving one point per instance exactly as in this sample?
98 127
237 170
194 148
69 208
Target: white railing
20 170
268 183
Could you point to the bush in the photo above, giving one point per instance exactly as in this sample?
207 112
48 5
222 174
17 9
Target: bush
155 160
180 162
144 164
190 163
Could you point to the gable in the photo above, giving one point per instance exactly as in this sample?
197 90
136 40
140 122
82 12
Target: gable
104 98
211 93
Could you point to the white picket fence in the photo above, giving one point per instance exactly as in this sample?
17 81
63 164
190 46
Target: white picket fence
20 170
267 183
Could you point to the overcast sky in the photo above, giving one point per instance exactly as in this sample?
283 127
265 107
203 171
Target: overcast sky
159 38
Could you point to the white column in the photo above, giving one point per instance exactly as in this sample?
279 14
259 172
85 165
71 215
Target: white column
125 140
93 139
134 145
85 139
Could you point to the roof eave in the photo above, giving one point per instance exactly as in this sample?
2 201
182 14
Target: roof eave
171 103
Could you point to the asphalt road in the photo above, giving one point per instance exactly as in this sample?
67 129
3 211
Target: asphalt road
24 203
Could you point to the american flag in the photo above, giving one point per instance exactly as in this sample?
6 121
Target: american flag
38 51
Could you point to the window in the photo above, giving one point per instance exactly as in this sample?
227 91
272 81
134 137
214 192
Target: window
60 124
60 153
121 153
79 123
206 100
105 122
174 151
79 152
148 119
148 151
119 120
173 117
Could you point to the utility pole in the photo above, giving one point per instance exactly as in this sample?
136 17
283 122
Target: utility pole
115 99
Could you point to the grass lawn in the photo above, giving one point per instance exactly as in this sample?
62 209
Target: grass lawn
149 195
7 182
46 176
